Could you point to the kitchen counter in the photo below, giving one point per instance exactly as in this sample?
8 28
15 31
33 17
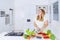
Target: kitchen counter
2 37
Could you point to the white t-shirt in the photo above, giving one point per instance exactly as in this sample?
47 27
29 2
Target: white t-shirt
40 24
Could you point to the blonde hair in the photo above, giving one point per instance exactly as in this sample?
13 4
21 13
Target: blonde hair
41 16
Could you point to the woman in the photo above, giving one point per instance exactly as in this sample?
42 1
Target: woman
41 21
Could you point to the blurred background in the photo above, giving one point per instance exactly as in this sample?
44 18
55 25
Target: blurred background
19 15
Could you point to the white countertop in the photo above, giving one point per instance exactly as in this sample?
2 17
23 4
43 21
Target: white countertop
2 37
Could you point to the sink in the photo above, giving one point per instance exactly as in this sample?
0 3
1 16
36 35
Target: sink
15 34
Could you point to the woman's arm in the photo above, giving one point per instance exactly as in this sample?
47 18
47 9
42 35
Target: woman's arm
35 24
36 27
45 25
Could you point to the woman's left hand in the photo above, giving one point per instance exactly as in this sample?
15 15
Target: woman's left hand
46 23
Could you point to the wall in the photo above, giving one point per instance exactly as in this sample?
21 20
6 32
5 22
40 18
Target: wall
55 25
26 9
5 5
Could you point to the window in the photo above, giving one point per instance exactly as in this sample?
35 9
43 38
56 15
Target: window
55 11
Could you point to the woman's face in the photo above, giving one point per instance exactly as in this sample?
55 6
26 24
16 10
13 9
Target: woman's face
40 13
